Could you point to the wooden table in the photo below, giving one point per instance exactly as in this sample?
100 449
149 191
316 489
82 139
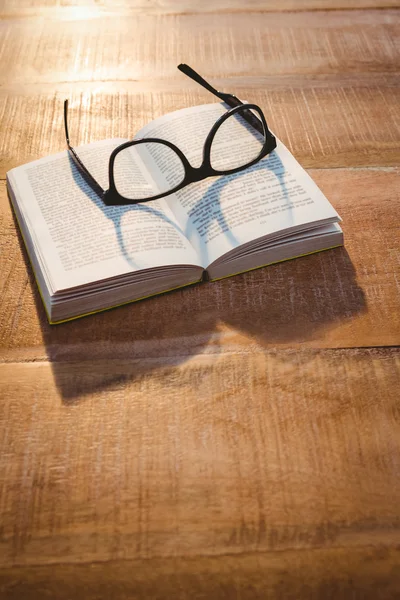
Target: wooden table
239 440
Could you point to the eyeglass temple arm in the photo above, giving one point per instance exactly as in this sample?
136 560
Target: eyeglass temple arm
90 180
230 99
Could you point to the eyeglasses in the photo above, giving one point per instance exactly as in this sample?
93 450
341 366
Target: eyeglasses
217 157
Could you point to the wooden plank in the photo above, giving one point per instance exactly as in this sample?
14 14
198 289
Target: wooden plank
324 122
208 456
91 8
363 574
132 47
339 298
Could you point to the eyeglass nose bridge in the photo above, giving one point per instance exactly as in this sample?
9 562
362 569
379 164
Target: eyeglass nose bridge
194 174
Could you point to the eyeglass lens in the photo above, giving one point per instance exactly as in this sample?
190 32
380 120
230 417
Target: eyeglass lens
134 185
236 143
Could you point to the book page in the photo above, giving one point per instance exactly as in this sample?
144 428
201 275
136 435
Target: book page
81 240
222 213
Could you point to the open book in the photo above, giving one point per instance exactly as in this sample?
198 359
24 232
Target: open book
89 257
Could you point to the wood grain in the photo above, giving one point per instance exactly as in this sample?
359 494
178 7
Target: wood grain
145 47
199 458
370 573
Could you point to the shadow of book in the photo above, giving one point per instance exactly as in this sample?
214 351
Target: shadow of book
296 301
283 305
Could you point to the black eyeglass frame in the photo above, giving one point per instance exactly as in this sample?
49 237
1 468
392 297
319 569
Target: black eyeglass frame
112 197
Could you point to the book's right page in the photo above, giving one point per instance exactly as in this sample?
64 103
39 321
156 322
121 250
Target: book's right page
274 198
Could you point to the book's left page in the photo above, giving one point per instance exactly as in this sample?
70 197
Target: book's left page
77 239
